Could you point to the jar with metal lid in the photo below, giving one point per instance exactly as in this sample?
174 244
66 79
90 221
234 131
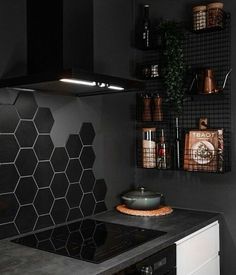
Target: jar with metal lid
149 147
215 15
199 17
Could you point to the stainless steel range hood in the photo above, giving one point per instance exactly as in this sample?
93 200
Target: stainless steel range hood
50 38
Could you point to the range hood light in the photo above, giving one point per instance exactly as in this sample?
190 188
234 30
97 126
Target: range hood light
112 87
101 84
23 89
79 82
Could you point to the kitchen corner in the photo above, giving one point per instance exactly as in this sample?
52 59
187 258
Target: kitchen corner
117 139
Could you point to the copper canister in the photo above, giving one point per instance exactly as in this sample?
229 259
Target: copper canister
215 15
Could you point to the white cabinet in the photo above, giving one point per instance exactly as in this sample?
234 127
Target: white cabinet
210 268
198 253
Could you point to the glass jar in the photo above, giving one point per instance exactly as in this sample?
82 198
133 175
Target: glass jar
199 17
215 15
149 147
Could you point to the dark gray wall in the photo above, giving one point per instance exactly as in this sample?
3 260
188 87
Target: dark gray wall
12 29
113 54
113 26
200 191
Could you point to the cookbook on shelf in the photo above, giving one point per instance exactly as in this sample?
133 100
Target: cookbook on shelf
204 150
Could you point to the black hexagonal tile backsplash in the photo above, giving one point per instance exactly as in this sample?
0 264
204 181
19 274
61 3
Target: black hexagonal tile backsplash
26 190
60 211
8 119
8 207
43 147
26 162
74 146
26 133
42 186
87 157
87 133
43 201
26 218
43 174
9 178
26 105
74 195
87 181
74 170
59 159
59 185
8 148
44 120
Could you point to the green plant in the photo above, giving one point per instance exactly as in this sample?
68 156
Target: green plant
173 67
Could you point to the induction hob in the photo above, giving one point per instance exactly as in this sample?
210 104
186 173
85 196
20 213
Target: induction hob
89 240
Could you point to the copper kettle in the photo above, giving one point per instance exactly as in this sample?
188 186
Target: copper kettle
209 84
204 82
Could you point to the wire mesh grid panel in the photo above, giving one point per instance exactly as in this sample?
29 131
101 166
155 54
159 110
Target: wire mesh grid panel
207 50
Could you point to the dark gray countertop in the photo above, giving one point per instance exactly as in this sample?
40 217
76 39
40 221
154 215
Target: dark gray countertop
17 259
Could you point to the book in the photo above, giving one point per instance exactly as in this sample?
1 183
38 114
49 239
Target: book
220 150
201 149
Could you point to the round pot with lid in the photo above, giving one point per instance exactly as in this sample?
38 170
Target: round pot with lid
142 199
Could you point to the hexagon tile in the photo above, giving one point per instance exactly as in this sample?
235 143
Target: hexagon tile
8 119
26 105
44 120
8 148
43 186
43 147
26 133
9 178
59 159
87 133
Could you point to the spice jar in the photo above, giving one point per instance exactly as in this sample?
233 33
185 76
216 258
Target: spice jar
215 15
149 148
199 17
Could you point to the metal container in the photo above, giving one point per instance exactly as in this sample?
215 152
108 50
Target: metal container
215 15
142 200
149 148
199 17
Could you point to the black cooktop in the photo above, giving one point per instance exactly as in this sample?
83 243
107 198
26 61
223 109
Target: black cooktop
89 240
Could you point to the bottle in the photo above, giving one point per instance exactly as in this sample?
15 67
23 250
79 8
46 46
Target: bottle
162 153
145 29
177 144
149 148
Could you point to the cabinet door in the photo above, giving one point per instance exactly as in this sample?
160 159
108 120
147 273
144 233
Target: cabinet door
210 268
197 249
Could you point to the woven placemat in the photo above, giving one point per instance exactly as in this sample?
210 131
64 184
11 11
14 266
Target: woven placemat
161 211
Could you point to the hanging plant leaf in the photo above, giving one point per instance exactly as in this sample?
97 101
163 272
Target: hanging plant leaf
173 70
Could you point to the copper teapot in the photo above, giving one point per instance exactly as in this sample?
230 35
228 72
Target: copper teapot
205 83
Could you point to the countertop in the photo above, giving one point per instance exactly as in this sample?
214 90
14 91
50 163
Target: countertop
17 259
